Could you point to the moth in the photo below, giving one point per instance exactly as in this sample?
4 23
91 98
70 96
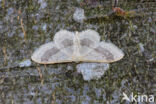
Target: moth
82 46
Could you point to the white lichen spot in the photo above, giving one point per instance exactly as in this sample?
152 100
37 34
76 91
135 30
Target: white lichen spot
92 70
79 15
141 47
25 63
10 11
43 4
44 27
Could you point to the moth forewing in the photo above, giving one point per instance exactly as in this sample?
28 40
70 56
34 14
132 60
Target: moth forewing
104 52
114 50
36 56
50 54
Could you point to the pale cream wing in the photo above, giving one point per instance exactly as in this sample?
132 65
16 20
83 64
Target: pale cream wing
50 54
104 52
88 40
64 41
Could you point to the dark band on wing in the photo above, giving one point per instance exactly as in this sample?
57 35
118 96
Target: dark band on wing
67 43
49 53
86 42
105 52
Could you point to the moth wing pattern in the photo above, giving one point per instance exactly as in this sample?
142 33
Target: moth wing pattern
49 54
86 48
88 39
64 41
104 52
